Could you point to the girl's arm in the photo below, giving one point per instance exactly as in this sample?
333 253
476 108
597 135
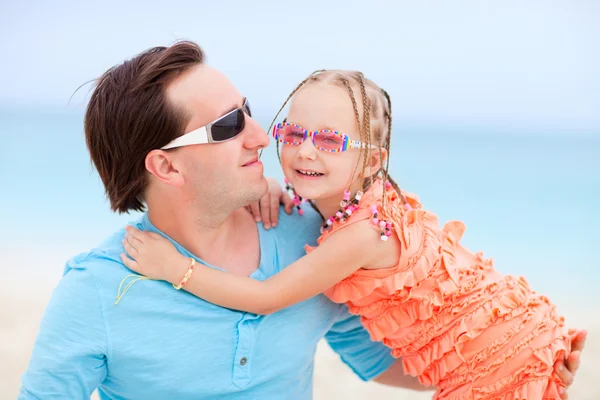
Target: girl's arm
344 252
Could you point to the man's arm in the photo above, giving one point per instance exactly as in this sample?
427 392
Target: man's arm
368 359
566 369
394 376
69 355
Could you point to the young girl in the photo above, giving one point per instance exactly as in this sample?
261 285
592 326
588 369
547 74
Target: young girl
456 321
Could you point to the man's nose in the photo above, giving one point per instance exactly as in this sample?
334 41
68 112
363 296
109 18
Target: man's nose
255 136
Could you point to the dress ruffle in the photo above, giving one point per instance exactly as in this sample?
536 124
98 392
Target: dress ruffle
456 322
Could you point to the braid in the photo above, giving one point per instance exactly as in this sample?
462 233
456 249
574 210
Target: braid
388 140
310 77
389 135
365 135
355 107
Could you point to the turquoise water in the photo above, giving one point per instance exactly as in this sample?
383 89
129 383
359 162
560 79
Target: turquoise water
529 201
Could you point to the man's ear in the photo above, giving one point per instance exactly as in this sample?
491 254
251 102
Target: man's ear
164 166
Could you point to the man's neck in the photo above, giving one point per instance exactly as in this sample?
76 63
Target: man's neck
229 241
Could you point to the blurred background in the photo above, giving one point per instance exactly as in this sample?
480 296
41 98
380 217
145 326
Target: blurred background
496 122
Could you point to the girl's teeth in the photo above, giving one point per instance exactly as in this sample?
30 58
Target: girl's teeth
309 173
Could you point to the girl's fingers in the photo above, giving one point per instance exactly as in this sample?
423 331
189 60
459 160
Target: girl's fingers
265 211
131 251
129 263
134 233
255 210
274 211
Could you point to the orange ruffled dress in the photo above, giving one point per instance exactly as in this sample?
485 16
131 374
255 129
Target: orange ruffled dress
458 323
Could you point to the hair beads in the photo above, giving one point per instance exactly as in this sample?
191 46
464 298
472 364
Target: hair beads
347 208
297 200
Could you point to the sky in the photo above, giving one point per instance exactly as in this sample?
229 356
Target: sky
528 68
528 65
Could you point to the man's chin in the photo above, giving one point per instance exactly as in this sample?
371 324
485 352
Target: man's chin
257 191
262 187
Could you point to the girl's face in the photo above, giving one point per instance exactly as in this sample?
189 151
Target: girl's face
316 174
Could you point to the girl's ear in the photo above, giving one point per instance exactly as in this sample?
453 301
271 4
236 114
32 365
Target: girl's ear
377 161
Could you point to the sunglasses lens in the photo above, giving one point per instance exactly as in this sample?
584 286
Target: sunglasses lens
229 126
290 134
246 108
328 140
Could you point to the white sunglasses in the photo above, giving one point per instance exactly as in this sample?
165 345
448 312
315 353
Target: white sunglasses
220 130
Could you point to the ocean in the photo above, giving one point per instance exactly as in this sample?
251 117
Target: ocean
530 201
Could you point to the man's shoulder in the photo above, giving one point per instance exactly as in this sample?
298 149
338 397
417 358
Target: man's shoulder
298 230
309 222
99 268
104 256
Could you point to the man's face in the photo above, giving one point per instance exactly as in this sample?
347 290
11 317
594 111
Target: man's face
225 175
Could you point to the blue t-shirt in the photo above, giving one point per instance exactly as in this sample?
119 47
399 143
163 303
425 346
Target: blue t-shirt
160 343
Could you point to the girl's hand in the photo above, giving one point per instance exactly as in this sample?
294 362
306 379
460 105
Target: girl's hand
153 256
267 209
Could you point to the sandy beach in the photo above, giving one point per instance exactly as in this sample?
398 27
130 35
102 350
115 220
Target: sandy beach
24 302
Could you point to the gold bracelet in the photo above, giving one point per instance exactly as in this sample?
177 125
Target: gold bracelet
187 275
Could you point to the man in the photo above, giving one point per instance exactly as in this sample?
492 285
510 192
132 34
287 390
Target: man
167 131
